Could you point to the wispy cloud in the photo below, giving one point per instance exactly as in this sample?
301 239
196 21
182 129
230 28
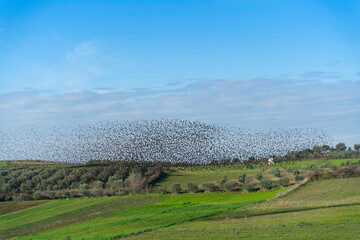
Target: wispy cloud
254 103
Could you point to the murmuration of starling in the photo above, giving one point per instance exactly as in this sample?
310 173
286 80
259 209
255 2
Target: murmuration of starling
170 140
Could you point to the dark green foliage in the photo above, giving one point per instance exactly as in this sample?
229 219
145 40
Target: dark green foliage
258 176
136 189
276 172
84 190
242 177
299 177
357 147
176 188
51 195
223 180
66 194
99 192
211 187
340 147
36 195
249 187
22 196
266 183
192 187
163 190
283 181
229 186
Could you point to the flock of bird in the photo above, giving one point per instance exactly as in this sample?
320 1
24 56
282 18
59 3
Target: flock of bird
170 140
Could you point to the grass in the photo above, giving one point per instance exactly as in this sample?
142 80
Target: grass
58 213
183 178
4 163
200 175
172 210
8 207
317 162
328 209
329 223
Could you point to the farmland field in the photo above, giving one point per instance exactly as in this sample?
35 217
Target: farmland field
328 209
201 175
3 163
321 208
99 218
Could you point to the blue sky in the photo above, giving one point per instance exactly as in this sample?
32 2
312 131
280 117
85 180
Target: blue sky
253 64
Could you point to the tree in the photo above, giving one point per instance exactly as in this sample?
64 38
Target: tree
258 176
340 147
266 183
84 190
192 187
176 188
223 181
325 148
37 195
317 149
242 177
276 172
357 147
209 187
284 181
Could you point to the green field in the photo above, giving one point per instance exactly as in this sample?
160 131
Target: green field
325 209
328 209
102 218
184 178
317 162
329 223
3 163
183 175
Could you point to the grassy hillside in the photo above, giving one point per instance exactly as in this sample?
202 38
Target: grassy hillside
200 175
118 216
3 163
59 213
328 209
323 209
329 223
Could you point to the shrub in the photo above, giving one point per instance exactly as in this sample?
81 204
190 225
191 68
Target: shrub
276 172
84 190
283 181
229 186
22 196
334 168
163 190
258 176
51 195
117 185
36 195
266 183
242 177
192 187
99 184
248 187
99 192
176 188
133 180
223 180
209 187
136 189
299 177
66 194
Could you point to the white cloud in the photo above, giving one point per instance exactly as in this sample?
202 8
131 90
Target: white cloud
255 103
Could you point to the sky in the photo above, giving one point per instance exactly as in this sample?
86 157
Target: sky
255 64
